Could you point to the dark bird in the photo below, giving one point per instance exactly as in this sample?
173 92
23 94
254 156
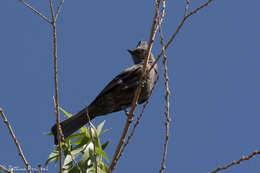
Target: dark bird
117 95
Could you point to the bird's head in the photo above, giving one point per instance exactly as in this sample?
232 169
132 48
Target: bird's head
140 52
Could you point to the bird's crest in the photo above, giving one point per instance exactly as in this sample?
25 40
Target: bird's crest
142 45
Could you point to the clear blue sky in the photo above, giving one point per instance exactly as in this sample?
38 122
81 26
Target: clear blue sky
213 68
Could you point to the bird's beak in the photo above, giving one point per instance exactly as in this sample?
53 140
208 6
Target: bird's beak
130 51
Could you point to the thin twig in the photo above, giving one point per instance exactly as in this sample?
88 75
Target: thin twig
178 30
15 141
52 12
92 139
168 119
199 8
68 148
5 169
94 147
60 137
243 158
55 57
59 8
35 11
144 106
53 23
166 96
161 17
186 7
138 90
73 159
137 120
39 168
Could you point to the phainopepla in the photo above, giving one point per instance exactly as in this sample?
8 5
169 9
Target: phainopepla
117 95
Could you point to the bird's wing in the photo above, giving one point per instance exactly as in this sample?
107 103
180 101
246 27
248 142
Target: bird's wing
127 79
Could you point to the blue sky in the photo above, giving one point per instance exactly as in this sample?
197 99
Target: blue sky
213 68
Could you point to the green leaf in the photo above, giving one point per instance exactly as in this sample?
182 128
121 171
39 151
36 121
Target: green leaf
78 136
93 130
65 112
48 133
74 170
82 141
97 142
103 167
83 129
92 156
83 162
105 145
104 131
100 152
54 155
75 152
100 127
81 148
68 160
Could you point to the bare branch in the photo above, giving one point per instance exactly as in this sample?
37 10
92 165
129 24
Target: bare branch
15 141
144 106
178 30
186 7
73 159
137 121
168 119
59 134
161 17
5 169
39 168
199 8
243 158
52 11
55 57
138 90
62 137
35 11
59 8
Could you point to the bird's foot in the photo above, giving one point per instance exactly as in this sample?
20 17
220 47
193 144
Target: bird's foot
130 119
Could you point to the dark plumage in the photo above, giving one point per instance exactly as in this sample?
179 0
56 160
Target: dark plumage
117 95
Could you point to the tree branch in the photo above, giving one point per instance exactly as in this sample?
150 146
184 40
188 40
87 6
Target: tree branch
59 8
243 158
138 90
15 141
35 11
73 159
55 57
168 119
5 169
186 7
137 121
178 30
39 168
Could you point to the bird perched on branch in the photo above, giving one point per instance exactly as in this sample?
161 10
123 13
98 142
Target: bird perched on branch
117 95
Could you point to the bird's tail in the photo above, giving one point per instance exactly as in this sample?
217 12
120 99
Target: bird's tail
71 125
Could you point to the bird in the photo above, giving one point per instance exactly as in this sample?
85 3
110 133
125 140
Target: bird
117 94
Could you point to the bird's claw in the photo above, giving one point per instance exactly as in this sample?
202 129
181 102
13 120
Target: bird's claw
130 119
